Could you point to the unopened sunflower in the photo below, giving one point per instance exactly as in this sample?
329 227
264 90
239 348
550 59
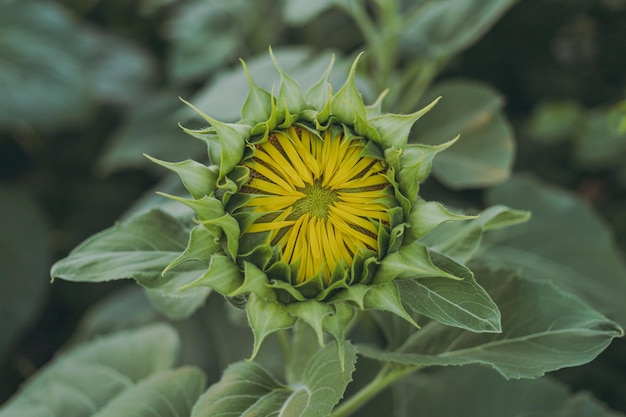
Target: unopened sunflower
307 204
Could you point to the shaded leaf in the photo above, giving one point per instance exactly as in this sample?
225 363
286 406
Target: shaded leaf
139 248
204 36
45 83
565 243
446 27
246 387
151 128
66 388
299 12
478 392
483 155
170 393
24 260
543 329
552 121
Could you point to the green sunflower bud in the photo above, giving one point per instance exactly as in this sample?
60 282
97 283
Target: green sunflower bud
303 204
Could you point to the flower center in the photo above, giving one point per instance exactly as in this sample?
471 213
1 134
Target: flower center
317 201
320 201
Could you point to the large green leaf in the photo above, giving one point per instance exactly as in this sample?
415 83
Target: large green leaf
139 248
543 329
247 389
205 35
170 393
81 381
478 392
565 243
24 260
484 154
151 128
446 27
55 69
42 76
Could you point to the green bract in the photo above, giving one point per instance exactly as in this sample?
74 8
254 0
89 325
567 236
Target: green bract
310 209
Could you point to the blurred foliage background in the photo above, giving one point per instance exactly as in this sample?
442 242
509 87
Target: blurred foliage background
87 86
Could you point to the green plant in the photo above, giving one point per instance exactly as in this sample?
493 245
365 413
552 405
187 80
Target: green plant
336 319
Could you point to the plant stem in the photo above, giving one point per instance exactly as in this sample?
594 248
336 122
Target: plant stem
385 377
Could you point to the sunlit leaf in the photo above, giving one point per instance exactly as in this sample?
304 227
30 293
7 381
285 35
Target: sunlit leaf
543 329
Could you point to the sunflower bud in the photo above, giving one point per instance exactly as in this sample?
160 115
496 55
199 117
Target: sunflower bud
303 202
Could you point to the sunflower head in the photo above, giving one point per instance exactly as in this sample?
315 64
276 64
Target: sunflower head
301 203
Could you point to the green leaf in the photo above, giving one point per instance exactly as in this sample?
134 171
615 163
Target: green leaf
258 104
222 275
461 240
565 243
151 128
410 262
386 297
394 129
299 12
599 143
290 96
463 304
426 215
247 388
266 317
200 180
66 388
24 260
124 309
169 393
416 163
313 313
543 329
139 248
483 156
470 389
347 104
553 121
231 141
42 79
204 36
446 27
